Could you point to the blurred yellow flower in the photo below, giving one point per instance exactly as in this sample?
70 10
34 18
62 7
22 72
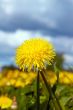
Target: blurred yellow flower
0 75
66 77
5 102
16 74
23 75
27 82
51 77
12 82
19 83
3 81
18 78
9 74
35 53
32 74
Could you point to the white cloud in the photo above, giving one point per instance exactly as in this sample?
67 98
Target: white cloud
16 38
68 58
8 9
63 44
7 6
68 61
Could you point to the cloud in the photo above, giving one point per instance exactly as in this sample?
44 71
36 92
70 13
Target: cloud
63 44
16 38
68 58
53 16
68 61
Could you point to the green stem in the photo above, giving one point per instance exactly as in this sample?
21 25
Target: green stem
57 77
53 96
38 94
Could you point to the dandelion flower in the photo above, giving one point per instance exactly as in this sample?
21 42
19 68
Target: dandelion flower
5 102
35 53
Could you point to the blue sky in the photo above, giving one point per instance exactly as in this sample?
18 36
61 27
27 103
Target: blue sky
23 19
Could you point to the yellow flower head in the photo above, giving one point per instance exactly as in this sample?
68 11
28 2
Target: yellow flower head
5 102
35 53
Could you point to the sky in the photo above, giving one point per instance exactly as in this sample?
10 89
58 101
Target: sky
24 19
